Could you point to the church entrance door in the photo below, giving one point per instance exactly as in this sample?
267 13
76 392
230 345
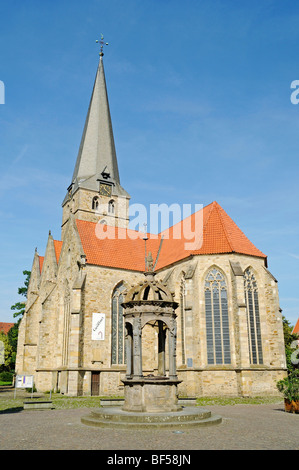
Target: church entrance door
95 383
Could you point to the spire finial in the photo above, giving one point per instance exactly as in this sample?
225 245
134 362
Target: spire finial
101 41
145 239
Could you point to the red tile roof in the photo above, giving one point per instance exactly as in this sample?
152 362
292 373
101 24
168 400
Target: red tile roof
57 248
121 248
296 328
125 249
41 262
5 327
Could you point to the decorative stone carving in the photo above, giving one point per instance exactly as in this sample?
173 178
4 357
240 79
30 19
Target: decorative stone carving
150 301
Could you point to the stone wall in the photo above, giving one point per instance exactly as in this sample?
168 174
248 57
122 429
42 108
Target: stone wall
80 205
55 341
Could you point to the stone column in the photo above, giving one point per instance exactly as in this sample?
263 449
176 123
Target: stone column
172 349
129 345
161 350
137 351
74 354
243 327
75 332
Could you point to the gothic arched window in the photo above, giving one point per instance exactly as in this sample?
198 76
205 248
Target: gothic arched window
95 203
117 324
217 324
253 318
111 207
183 318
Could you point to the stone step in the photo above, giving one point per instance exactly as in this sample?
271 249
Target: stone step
93 421
114 416
38 405
120 401
112 401
117 414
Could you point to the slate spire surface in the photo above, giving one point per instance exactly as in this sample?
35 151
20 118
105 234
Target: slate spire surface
97 152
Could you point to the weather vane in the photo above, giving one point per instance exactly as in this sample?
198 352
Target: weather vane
102 42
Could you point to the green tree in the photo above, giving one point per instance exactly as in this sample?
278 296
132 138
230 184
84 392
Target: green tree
10 340
289 340
19 307
8 362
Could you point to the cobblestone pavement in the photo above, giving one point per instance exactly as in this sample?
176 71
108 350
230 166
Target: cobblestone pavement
244 427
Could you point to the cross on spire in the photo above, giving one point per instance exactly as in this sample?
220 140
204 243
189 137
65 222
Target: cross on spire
101 41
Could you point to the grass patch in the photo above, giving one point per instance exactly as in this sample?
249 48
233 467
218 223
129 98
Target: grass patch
10 405
62 402
206 401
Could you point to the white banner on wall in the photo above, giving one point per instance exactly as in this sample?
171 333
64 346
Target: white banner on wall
98 326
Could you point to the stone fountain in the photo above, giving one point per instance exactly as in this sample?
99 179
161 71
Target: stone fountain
150 401
150 302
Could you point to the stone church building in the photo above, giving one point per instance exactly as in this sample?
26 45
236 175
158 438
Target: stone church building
71 338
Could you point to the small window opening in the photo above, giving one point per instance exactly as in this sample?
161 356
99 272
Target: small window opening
95 203
111 207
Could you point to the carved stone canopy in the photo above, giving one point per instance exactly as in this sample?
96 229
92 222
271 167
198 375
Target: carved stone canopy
149 296
150 301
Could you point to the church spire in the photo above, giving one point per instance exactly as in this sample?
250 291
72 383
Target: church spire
96 158
96 175
97 148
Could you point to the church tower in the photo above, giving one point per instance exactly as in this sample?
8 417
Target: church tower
95 193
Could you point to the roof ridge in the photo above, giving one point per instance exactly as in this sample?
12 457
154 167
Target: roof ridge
223 225
238 228
155 236
209 214
207 220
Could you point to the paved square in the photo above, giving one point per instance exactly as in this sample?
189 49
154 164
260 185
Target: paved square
244 427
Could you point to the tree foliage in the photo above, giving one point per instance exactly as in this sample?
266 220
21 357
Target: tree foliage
289 341
19 307
8 360
10 340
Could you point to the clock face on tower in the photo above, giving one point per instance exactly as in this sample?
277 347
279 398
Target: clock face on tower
105 189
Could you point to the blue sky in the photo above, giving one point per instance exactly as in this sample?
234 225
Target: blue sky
199 94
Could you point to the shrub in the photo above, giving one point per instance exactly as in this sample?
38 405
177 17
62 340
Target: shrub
6 376
289 386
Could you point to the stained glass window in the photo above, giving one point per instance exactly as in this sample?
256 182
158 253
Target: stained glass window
183 319
118 330
253 318
217 323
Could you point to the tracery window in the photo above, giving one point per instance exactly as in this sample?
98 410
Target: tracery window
183 318
118 330
253 318
217 323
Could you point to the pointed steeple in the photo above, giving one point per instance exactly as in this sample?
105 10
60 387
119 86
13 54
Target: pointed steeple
96 158
95 193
